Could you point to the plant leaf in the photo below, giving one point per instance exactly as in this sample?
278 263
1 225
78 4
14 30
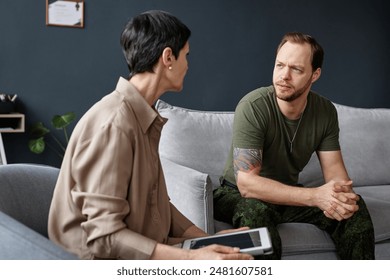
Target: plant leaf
37 146
60 122
39 130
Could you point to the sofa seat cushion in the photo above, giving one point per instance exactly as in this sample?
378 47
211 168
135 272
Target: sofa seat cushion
191 193
303 239
377 199
382 250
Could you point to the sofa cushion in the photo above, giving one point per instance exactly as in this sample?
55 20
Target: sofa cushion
364 140
191 193
382 251
311 175
364 145
25 193
197 139
303 239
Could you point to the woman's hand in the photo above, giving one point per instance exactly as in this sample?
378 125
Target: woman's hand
218 252
211 252
232 230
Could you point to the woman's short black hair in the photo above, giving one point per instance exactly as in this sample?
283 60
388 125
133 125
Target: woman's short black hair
146 36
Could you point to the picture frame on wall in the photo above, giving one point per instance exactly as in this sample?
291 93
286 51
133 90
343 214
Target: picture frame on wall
66 13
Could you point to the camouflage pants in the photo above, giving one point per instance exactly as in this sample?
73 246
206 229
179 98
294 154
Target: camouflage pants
353 238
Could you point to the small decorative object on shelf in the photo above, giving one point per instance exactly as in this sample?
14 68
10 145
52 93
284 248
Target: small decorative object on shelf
7 103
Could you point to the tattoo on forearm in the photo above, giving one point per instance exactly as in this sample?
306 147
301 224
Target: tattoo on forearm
246 159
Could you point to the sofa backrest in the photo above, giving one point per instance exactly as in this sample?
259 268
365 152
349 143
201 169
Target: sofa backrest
364 144
364 140
196 139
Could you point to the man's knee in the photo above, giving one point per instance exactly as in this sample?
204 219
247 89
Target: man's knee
255 213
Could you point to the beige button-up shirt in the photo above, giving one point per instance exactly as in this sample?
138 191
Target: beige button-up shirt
111 200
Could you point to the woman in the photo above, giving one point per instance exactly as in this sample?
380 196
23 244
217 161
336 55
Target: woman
110 201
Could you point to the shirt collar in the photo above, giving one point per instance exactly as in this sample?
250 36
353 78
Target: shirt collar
144 113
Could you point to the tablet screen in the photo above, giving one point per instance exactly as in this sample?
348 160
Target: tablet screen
241 240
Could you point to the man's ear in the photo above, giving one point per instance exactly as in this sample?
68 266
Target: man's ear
316 75
167 57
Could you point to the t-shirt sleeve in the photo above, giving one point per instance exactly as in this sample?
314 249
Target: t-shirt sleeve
248 127
330 141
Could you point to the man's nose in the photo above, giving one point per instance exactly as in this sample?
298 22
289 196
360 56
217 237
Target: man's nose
285 74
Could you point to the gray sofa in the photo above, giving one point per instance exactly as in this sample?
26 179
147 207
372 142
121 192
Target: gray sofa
195 144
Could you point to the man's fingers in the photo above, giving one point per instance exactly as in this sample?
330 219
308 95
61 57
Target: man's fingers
328 215
341 212
347 198
333 214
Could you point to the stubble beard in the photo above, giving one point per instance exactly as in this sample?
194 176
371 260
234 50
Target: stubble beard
295 95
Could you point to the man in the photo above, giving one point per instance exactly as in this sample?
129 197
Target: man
276 130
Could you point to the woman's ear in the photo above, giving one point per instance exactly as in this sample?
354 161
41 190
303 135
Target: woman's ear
167 57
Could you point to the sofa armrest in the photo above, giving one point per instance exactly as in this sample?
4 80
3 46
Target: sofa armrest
19 242
191 192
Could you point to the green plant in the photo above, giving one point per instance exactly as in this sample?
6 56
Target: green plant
39 131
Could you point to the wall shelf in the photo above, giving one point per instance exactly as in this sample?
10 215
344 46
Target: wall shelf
11 123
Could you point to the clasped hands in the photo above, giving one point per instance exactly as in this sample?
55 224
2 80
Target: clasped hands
338 200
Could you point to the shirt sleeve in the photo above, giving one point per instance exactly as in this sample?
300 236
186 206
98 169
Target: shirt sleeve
248 127
102 170
330 141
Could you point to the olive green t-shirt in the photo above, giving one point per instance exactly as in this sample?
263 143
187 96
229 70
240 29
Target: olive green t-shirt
259 124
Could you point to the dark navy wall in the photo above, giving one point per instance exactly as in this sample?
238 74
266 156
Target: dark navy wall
55 70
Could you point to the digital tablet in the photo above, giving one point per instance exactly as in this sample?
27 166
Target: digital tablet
253 241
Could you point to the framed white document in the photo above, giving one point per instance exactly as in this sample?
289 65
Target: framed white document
69 13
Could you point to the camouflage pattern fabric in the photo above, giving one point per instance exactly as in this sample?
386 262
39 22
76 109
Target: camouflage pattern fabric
353 238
